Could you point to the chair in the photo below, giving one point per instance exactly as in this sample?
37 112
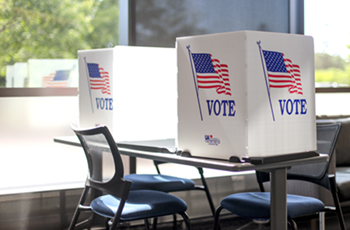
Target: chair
166 183
119 204
256 205
327 135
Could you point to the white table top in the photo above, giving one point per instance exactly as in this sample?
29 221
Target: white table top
167 154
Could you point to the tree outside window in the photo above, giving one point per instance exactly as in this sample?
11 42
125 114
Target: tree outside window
54 29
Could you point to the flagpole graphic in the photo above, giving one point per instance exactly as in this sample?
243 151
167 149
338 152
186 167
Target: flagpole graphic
195 82
266 81
88 80
280 73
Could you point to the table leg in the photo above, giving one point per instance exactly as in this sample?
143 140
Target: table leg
132 165
279 199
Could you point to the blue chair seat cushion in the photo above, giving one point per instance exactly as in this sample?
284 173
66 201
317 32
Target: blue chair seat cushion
159 182
257 205
140 204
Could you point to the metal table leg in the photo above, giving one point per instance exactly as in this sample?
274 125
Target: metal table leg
279 199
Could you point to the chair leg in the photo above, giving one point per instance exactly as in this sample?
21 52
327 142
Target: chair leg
293 224
216 217
206 189
146 224
77 210
155 222
174 222
107 223
247 225
321 217
339 212
186 220
334 192
75 219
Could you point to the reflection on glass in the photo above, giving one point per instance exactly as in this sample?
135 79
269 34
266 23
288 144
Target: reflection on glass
43 73
159 22
52 73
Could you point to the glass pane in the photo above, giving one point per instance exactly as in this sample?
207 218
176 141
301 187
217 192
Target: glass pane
328 25
32 161
159 22
39 40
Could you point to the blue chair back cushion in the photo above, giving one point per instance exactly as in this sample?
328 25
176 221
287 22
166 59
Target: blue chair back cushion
140 204
159 182
255 205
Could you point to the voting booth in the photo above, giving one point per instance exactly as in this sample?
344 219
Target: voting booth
130 89
246 94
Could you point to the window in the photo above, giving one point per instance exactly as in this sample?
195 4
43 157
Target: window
40 39
159 22
327 23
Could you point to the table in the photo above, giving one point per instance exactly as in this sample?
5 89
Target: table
278 170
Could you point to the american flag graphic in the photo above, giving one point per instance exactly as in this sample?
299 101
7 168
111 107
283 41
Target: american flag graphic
282 72
58 79
211 74
99 78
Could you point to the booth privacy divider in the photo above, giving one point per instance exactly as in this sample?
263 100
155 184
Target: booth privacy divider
132 90
246 94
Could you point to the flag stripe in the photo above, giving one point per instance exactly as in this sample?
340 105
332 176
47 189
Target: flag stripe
211 74
282 72
58 79
99 78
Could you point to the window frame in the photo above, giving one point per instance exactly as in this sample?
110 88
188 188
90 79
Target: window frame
38 92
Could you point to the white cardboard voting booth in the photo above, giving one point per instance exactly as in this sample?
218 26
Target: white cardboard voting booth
246 94
130 89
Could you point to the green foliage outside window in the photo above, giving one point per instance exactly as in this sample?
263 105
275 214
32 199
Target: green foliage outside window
45 29
37 29
331 71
